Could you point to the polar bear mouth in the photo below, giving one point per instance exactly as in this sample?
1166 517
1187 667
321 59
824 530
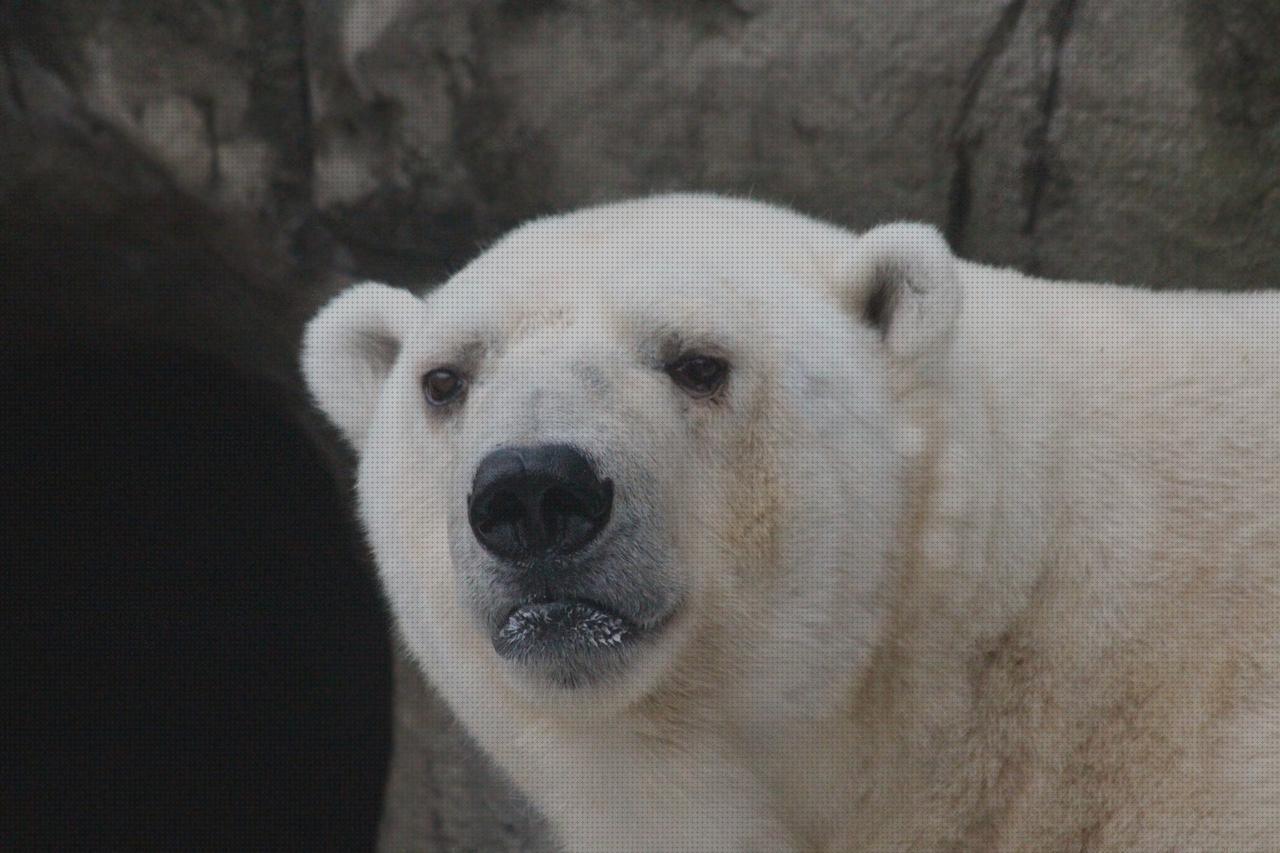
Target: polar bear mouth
559 628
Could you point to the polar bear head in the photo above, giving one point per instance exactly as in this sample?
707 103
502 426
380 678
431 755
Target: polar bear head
650 448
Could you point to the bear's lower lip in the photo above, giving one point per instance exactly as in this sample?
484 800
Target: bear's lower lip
560 628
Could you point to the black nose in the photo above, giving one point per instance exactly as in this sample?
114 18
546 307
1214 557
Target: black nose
537 501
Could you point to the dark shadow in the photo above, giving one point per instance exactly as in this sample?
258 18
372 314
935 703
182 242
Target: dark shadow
194 648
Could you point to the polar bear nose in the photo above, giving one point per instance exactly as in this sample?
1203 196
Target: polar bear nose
537 501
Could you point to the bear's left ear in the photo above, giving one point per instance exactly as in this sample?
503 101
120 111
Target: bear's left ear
902 281
349 348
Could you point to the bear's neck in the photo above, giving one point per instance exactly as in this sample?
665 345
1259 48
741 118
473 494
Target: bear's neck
1050 441
1054 430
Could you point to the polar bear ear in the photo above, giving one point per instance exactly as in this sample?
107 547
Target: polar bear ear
902 281
348 350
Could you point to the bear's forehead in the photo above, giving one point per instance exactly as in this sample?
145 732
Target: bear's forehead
678 235
668 258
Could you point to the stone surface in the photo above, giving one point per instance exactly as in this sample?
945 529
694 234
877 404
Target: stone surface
218 167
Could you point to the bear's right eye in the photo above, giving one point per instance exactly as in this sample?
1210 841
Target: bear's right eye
699 375
442 386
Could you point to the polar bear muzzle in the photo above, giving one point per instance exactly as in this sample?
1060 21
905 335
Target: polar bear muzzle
539 512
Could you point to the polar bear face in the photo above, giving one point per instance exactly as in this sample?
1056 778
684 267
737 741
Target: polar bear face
645 447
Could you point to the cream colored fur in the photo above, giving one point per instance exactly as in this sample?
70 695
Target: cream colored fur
997 573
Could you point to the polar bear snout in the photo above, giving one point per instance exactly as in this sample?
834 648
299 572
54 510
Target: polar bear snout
564 561
535 502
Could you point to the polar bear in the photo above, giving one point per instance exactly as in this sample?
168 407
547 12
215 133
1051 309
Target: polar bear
721 528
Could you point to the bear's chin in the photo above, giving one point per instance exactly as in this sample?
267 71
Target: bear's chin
566 643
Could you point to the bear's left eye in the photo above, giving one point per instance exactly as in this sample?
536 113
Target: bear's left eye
442 386
699 375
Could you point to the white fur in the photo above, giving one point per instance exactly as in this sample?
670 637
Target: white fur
349 348
999 575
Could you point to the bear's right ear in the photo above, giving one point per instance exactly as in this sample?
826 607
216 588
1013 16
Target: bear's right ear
348 350
902 281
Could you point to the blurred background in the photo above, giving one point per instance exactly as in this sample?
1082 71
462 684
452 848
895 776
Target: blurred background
195 646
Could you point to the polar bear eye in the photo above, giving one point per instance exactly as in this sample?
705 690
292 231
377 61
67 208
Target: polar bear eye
442 386
699 375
